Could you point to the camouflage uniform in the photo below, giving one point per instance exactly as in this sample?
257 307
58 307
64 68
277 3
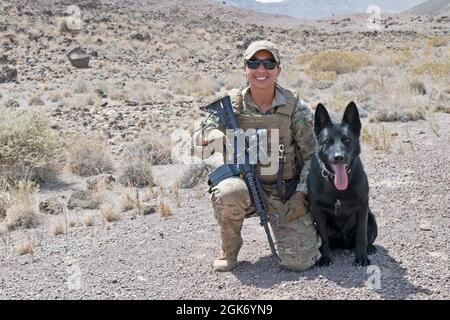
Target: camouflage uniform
297 241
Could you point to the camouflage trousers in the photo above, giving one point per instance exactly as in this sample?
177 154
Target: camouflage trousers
297 241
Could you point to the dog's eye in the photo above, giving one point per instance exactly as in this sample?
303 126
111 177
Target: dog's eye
329 141
346 140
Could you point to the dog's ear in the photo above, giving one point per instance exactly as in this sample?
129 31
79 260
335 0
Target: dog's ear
351 117
321 119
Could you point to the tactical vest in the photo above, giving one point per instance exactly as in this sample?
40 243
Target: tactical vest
281 119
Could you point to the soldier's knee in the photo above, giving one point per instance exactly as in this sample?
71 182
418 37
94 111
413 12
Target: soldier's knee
298 244
231 191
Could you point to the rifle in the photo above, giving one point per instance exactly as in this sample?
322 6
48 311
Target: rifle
223 109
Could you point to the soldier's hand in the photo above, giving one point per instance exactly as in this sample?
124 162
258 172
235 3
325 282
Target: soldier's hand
296 205
208 136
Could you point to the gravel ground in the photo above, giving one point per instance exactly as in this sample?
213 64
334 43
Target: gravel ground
151 257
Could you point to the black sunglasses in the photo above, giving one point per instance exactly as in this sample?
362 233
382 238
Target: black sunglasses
269 64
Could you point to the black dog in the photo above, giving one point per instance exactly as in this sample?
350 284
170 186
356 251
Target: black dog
338 188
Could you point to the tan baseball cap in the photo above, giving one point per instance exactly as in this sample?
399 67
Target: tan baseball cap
262 45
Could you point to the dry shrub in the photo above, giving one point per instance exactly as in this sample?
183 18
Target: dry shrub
197 85
98 193
23 207
26 247
5 198
36 100
417 87
397 57
438 108
398 114
29 148
378 136
109 213
163 209
129 200
57 228
438 41
154 146
88 156
323 75
88 221
304 58
136 172
339 62
433 68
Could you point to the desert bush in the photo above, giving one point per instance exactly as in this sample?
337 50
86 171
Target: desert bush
88 156
36 100
323 75
399 114
57 228
193 175
26 247
29 148
197 85
88 221
109 213
339 62
155 147
163 209
136 172
129 199
438 41
304 58
23 207
393 57
379 137
433 68
417 87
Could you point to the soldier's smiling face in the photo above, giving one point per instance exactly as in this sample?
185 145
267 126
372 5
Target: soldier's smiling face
262 78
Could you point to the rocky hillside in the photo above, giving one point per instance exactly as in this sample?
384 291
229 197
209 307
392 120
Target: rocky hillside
313 9
432 8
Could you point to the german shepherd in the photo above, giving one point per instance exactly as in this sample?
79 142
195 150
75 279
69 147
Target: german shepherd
338 188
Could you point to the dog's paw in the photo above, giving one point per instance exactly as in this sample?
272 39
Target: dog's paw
324 261
361 261
371 249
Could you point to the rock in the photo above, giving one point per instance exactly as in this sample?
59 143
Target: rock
131 103
148 209
144 36
94 181
193 175
82 199
12 104
324 84
8 74
79 58
51 205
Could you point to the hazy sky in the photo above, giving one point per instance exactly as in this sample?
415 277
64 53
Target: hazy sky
282 0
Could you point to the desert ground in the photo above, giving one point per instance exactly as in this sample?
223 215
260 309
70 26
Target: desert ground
97 203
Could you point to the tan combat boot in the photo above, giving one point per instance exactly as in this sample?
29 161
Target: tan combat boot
225 261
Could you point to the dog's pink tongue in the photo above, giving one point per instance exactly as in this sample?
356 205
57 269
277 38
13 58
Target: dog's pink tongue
340 177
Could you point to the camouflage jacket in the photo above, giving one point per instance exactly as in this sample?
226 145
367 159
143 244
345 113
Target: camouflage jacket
301 129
